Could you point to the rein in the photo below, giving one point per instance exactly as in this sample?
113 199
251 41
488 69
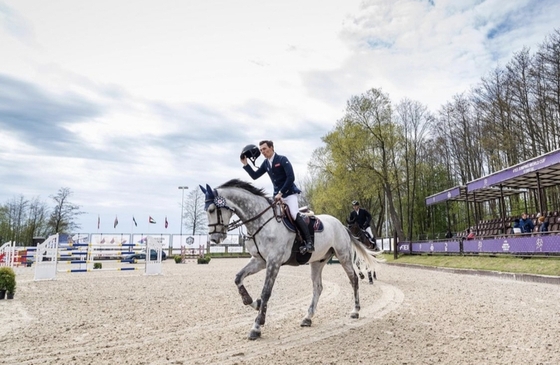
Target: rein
238 223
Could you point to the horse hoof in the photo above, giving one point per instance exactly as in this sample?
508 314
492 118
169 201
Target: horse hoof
306 323
361 276
253 335
355 315
371 282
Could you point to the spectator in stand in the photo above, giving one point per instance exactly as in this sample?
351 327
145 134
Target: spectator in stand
449 234
470 235
526 224
543 225
516 227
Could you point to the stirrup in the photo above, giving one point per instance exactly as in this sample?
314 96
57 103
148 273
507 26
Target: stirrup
307 247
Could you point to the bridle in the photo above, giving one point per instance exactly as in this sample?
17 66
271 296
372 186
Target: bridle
220 203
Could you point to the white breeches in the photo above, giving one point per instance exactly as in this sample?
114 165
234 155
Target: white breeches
292 203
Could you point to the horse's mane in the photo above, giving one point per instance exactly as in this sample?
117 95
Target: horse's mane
236 183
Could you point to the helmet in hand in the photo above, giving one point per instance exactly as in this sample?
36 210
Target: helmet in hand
251 152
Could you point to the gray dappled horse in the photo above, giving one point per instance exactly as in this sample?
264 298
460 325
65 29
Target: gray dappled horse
270 244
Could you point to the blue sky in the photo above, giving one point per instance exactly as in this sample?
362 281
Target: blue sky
124 101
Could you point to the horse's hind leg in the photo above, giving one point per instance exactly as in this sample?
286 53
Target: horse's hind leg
349 269
255 265
370 277
317 279
360 271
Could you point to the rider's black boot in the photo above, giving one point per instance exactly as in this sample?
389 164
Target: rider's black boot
302 226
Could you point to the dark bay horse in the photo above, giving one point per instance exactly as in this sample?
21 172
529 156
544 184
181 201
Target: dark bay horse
364 238
270 244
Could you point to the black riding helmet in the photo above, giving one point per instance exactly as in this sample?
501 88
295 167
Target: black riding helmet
355 202
250 151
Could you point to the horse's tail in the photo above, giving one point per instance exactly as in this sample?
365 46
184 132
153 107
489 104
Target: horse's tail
369 257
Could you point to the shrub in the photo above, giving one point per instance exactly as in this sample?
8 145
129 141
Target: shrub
204 259
8 279
97 265
178 259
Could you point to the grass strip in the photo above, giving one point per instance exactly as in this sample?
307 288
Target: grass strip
505 263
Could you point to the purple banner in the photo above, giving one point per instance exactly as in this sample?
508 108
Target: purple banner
512 244
430 246
534 244
443 196
439 246
532 165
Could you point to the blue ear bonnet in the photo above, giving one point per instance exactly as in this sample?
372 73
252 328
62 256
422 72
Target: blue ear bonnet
212 197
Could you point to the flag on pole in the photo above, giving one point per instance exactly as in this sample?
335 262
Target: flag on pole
98 221
166 224
134 220
116 223
151 220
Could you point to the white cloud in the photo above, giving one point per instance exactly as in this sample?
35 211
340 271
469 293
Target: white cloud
125 101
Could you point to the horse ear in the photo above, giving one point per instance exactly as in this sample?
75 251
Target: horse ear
209 192
202 188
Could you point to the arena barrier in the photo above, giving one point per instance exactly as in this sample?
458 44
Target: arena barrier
7 254
53 253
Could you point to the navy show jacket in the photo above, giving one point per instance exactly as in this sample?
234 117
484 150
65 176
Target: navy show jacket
362 216
281 173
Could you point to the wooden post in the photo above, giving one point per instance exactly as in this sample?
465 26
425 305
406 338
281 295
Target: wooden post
395 245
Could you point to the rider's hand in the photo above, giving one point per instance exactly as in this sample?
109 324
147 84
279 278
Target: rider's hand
278 197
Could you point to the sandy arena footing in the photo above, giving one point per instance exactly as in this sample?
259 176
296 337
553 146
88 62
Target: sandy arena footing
193 315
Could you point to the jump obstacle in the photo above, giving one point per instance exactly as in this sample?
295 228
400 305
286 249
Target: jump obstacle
191 254
8 254
48 256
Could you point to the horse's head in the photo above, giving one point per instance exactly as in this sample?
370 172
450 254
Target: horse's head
219 214
353 226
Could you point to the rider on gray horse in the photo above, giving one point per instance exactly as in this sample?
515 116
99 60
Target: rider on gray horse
282 175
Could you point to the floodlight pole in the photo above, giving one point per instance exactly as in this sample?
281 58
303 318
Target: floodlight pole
182 188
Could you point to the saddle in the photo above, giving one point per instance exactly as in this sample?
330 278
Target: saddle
372 243
366 239
314 224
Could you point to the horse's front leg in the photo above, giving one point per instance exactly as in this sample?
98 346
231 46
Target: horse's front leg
317 279
255 265
272 269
